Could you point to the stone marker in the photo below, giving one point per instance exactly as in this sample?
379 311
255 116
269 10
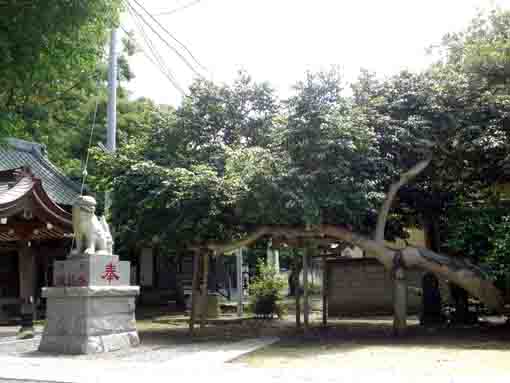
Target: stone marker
91 309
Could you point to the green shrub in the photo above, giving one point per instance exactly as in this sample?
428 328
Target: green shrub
483 235
499 255
266 292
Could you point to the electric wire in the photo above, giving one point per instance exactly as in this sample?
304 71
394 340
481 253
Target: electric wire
158 65
85 166
157 59
188 64
170 34
84 172
178 9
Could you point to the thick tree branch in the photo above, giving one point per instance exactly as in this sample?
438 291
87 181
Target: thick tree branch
454 269
228 247
392 192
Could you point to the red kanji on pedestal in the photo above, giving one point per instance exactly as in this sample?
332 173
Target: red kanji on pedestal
110 273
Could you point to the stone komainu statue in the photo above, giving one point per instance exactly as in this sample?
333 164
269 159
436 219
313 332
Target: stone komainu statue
91 235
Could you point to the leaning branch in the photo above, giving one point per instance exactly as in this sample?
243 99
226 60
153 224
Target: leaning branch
228 247
394 188
454 269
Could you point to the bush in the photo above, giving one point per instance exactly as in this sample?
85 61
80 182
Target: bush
483 234
469 231
266 292
499 255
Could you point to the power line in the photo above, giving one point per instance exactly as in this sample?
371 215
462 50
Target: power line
159 62
188 64
162 70
178 9
159 59
169 34
84 172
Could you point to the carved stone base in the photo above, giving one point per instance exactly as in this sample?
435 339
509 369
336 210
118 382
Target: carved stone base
69 344
92 270
92 319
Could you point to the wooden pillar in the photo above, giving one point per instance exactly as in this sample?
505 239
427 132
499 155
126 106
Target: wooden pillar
399 296
194 290
239 275
26 273
324 291
27 270
205 270
306 303
273 257
297 292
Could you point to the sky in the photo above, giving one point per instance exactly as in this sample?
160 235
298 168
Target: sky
279 40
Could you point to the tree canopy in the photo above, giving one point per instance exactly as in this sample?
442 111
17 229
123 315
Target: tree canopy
234 156
48 50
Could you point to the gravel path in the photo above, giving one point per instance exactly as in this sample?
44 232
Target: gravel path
133 365
28 381
143 353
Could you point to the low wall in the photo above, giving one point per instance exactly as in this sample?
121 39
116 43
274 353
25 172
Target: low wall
363 287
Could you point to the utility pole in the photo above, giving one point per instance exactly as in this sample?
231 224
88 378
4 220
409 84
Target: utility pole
111 143
111 139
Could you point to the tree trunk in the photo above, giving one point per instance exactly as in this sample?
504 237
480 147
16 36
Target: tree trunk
297 292
431 231
306 303
180 301
431 295
399 298
194 291
291 281
205 277
212 280
324 291
431 313
239 281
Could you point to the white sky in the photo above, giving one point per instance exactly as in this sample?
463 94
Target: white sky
278 40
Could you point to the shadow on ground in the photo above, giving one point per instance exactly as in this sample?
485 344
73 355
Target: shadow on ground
351 333
341 336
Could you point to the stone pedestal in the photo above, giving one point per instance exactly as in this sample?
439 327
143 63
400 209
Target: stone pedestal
91 309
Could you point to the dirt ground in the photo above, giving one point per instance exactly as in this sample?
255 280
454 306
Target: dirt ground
359 343
356 343
369 343
349 344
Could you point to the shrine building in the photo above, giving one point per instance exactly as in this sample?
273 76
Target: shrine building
35 223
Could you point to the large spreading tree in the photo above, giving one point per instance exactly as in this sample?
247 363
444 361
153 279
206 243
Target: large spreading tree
234 164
